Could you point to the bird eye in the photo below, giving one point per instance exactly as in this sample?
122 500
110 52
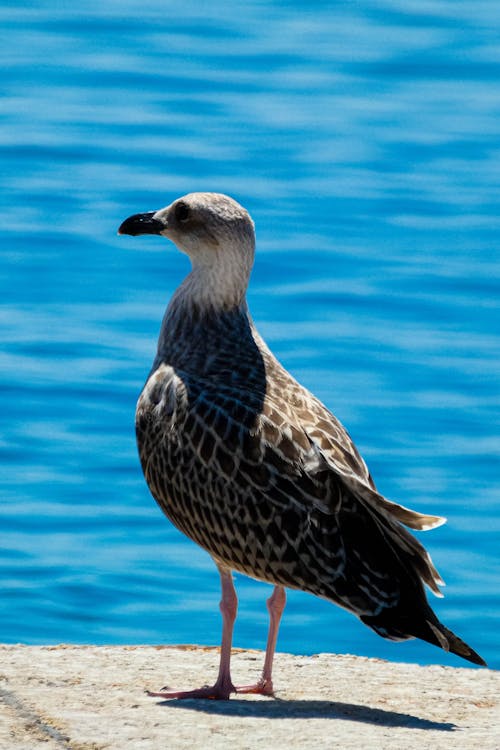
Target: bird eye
182 212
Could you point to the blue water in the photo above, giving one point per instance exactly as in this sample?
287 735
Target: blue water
364 139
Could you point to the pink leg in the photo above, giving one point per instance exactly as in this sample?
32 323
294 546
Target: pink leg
275 605
223 685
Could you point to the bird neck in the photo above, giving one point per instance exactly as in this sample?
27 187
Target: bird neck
211 289
206 301
199 340
218 280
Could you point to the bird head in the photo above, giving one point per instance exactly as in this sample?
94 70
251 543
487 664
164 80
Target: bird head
202 225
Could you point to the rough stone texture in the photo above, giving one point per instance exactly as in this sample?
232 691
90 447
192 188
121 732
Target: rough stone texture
88 698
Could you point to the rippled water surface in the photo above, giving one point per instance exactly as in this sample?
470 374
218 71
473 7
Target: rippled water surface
364 139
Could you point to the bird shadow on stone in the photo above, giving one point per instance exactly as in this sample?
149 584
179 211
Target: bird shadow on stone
313 709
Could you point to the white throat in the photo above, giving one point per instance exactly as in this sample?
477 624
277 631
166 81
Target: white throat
218 280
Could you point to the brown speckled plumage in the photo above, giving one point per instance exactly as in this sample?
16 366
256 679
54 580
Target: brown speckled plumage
249 464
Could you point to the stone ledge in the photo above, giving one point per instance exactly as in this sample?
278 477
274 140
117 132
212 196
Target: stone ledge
92 697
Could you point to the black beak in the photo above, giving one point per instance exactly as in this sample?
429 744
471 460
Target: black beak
141 224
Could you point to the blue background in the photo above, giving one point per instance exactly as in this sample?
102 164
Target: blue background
364 140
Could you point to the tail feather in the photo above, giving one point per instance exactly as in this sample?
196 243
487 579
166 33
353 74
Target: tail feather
407 548
390 546
411 518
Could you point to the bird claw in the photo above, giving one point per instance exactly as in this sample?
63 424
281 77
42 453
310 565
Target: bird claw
262 687
215 692
207 692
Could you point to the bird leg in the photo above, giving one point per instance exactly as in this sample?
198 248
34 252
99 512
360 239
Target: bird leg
223 685
275 605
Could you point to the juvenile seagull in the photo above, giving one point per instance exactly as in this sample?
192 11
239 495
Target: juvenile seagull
255 469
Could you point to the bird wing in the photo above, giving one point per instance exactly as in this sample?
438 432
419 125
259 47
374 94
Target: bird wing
283 445
295 450
330 446
322 467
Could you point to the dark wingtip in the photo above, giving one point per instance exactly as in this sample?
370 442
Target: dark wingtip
430 629
141 224
451 642
468 653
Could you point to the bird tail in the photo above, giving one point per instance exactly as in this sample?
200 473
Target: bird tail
412 616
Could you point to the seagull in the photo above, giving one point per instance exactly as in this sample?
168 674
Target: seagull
255 469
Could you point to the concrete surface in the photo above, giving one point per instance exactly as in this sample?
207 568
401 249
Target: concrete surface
91 698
